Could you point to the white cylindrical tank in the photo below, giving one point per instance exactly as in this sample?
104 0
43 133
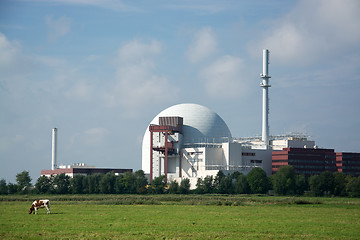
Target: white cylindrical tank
53 149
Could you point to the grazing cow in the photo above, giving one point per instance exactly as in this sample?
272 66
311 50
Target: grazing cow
40 204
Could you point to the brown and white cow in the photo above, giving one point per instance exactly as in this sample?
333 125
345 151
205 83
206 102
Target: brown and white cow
40 204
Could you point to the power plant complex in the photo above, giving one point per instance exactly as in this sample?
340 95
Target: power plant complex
192 141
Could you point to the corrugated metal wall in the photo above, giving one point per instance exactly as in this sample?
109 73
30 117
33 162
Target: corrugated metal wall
171 121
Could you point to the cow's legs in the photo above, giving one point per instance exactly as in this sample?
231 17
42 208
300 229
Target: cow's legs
35 210
48 209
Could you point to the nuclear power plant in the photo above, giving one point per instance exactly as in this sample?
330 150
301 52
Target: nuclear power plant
192 141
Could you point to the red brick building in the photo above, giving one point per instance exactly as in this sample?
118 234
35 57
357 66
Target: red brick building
348 163
306 161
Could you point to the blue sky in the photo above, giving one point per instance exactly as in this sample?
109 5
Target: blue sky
100 71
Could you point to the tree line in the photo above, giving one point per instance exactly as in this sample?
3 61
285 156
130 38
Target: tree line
283 182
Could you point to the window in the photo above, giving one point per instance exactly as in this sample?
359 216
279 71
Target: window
248 154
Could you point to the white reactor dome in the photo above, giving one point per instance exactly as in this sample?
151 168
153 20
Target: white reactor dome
200 124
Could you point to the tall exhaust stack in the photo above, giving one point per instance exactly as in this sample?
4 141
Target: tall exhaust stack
265 107
54 151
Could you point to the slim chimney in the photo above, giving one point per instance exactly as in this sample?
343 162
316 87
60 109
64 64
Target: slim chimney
265 107
54 151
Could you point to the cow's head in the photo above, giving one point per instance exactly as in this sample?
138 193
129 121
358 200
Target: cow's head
31 209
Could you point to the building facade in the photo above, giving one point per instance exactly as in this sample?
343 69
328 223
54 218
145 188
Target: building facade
348 163
82 169
306 161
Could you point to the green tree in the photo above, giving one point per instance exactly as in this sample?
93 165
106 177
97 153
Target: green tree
226 185
184 186
61 184
301 184
208 184
23 180
173 187
94 183
218 180
284 181
158 184
327 182
315 185
43 185
353 186
129 183
3 187
235 174
223 184
339 184
85 184
200 186
258 181
119 185
12 188
107 183
241 185
76 184
140 181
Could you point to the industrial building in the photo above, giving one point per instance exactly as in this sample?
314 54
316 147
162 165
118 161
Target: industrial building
306 161
348 163
81 169
311 161
76 168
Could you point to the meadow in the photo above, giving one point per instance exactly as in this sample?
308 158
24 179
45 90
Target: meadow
181 217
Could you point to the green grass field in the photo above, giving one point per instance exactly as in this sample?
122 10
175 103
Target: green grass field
181 217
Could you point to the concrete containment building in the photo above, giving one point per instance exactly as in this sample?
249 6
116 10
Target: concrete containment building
192 141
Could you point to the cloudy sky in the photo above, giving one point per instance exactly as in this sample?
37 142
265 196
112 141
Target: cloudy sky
101 70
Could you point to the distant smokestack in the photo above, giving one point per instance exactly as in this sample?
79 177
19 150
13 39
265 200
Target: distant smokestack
265 108
54 151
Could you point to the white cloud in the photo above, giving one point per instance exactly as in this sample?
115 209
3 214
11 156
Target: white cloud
313 30
137 85
57 27
80 90
223 78
203 45
10 52
136 51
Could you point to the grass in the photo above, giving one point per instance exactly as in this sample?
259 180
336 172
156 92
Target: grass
181 217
